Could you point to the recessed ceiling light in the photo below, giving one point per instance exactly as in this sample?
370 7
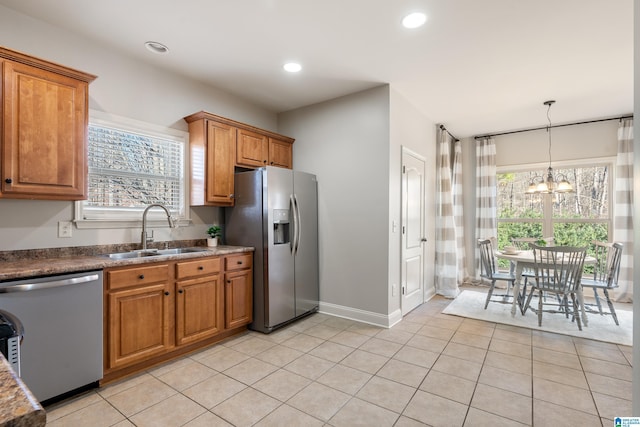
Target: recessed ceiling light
414 20
292 67
156 47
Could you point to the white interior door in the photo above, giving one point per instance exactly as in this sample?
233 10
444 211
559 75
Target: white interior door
413 238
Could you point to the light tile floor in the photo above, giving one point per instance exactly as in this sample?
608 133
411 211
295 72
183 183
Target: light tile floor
430 369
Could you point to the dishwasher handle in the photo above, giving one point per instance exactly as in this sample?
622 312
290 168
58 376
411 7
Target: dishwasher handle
26 287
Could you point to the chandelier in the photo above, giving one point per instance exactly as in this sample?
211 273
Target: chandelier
550 184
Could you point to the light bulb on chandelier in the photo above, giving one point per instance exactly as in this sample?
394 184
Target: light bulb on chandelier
550 184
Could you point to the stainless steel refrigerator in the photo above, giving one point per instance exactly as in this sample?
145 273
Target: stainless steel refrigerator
276 212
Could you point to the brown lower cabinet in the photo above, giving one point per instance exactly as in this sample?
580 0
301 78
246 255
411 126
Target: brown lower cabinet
155 312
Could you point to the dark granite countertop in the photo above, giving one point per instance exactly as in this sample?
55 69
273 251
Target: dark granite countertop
45 262
18 407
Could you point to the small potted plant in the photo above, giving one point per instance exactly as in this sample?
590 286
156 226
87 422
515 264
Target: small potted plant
214 232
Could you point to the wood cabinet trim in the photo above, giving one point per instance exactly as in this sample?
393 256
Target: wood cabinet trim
14 55
209 116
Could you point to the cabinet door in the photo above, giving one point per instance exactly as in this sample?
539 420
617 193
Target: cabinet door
252 149
221 143
280 153
238 291
138 324
44 154
199 309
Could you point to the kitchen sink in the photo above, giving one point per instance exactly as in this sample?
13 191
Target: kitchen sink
176 251
153 252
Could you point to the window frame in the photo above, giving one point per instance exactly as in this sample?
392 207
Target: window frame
132 217
548 220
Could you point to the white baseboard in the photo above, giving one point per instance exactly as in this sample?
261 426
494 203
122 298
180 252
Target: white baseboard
377 319
429 293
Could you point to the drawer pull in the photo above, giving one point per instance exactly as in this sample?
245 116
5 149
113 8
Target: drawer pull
200 267
141 277
239 263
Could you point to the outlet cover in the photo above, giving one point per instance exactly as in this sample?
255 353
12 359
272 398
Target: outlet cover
65 228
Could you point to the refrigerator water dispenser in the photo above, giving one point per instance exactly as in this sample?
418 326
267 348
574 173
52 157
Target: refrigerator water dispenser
280 226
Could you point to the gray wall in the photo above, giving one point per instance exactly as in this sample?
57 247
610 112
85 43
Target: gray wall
410 129
126 88
345 142
353 144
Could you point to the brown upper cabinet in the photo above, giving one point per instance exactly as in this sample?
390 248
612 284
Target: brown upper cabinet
218 145
44 129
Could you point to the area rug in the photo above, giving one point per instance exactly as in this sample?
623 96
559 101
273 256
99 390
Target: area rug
602 328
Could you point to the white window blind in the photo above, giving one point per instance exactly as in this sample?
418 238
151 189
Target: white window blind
131 167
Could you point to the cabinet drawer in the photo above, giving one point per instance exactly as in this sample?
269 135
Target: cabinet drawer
198 267
137 276
238 262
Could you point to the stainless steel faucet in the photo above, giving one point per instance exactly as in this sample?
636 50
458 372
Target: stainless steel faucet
143 237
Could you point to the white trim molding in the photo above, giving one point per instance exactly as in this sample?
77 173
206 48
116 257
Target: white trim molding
377 319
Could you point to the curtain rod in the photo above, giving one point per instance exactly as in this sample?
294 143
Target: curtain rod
489 135
450 134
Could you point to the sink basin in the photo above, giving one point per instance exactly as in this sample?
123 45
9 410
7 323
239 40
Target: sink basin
176 251
153 252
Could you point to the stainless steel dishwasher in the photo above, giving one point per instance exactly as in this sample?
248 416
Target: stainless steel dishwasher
62 318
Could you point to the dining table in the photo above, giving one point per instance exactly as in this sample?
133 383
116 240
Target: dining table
521 260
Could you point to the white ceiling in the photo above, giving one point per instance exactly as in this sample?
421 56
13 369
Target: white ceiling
477 66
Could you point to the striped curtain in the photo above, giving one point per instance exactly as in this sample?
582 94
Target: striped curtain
458 214
623 209
446 269
486 193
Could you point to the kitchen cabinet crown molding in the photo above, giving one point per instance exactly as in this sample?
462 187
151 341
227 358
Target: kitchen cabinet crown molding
23 58
210 116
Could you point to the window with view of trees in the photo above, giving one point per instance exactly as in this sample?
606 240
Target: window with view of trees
573 219
132 165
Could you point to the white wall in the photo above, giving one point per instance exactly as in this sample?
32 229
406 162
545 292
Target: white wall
345 142
124 87
591 140
410 129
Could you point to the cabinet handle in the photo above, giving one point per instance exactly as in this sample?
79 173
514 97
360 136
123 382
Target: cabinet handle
271 162
180 291
228 281
200 267
231 196
141 277
166 292
8 180
265 162
239 262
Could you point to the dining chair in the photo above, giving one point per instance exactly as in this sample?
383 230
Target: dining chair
558 270
489 271
605 274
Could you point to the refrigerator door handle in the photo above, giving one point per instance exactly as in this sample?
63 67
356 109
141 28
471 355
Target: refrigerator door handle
294 214
298 224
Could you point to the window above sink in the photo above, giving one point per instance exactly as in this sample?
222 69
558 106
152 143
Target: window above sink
131 165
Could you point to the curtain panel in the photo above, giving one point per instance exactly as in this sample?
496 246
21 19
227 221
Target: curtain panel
623 210
486 193
458 213
446 265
